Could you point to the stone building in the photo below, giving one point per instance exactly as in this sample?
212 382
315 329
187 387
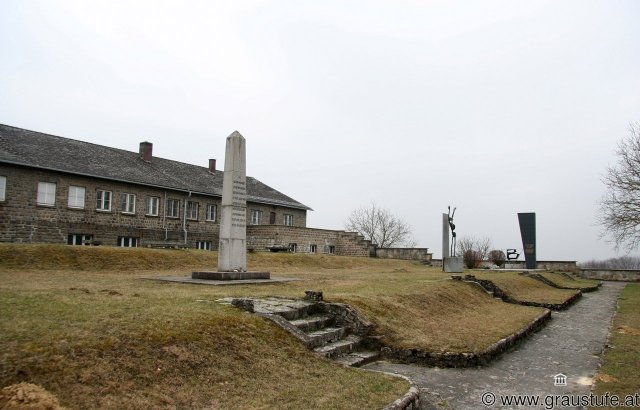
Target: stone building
60 190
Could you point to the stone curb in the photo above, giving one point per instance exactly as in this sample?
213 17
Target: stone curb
410 400
450 359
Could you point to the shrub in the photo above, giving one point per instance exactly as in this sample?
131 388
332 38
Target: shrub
497 257
471 258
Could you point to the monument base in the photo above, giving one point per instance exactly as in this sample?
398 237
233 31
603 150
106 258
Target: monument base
230 275
453 264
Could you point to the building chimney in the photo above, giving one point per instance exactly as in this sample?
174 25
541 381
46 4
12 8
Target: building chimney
146 151
212 165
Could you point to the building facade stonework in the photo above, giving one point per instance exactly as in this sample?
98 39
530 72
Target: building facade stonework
56 190
60 190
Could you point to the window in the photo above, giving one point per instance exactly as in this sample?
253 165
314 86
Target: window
212 212
288 220
173 208
331 249
256 217
313 248
103 200
79 239
128 204
46 194
3 188
293 247
203 245
192 210
153 202
76 197
128 241
272 218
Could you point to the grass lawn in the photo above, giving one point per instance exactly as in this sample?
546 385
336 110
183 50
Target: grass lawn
526 289
563 281
83 324
620 374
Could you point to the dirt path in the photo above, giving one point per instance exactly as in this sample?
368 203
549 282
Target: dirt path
570 344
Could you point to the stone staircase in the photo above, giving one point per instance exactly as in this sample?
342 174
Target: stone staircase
332 330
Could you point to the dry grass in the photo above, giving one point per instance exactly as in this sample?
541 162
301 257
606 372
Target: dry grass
619 373
526 289
563 281
81 322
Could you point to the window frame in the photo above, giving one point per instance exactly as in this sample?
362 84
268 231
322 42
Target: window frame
151 199
101 200
204 245
44 195
190 205
85 239
75 188
128 203
208 213
3 188
288 217
175 206
313 248
132 241
256 217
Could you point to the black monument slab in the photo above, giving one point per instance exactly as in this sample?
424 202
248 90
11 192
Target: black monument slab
527 221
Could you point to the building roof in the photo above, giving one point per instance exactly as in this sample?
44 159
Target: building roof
44 151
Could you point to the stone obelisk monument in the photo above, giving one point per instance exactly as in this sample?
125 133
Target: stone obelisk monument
232 249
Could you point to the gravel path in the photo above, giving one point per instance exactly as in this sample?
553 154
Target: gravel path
571 344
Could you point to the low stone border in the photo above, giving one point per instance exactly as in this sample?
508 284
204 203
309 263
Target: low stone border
549 282
473 359
499 293
189 280
411 399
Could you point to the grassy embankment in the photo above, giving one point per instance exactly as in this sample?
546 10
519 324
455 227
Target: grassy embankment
619 374
526 289
80 322
575 283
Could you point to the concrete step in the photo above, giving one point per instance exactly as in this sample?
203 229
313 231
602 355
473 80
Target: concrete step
357 359
328 335
336 349
291 313
312 323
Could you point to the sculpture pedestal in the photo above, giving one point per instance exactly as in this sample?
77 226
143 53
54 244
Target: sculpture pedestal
453 264
230 275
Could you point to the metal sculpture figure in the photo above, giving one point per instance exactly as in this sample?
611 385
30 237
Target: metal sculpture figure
453 231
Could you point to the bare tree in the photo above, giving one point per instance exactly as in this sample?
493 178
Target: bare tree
465 244
620 206
621 262
473 250
480 245
380 226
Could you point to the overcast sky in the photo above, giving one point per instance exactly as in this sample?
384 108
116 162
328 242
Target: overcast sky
495 107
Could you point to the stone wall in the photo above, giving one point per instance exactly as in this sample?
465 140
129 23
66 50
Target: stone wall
22 220
623 275
548 265
264 237
416 254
